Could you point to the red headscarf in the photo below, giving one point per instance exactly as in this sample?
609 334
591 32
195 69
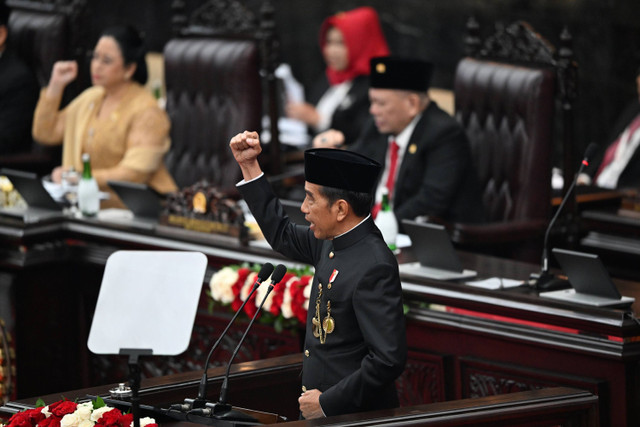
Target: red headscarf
363 38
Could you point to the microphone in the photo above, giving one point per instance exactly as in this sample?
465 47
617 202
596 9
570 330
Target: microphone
201 400
222 409
546 280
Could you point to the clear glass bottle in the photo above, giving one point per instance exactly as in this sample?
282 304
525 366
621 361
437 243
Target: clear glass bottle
386 222
88 192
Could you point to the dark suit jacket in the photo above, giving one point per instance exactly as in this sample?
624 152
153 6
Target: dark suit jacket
436 177
355 369
630 176
352 113
18 97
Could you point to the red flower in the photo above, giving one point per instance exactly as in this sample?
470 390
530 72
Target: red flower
237 287
250 307
62 408
51 421
114 418
278 294
298 298
27 418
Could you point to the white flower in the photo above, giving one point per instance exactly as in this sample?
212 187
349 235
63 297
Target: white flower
261 292
144 421
85 409
285 308
80 415
221 285
98 413
248 285
86 423
45 411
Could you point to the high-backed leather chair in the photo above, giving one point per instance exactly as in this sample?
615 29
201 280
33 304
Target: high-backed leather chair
505 99
213 92
219 77
40 39
42 34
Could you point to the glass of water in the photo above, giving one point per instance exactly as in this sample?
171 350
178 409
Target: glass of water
70 179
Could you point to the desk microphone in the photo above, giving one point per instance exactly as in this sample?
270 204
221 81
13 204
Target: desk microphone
201 400
546 280
222 409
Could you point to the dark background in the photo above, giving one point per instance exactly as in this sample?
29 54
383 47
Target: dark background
606 37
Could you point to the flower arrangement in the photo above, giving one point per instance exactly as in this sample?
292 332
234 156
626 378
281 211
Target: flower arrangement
285 306
8 194
66 413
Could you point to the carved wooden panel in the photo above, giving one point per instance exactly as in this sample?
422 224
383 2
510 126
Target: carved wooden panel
484 378
261 343
423 379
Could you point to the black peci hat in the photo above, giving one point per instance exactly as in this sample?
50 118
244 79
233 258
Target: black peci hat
4 13
342 169
400 73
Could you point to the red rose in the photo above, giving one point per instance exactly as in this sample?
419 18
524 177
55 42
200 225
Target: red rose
278 294
27 418
250 308
52 421
243 273
115 418
298 299
62 408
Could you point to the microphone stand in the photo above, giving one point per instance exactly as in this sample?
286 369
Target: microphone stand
201 400
221 409
546 280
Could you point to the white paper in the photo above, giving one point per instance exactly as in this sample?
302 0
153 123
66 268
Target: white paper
495 283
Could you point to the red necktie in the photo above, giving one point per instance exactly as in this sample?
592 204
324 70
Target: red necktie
391 177
393 164
610 154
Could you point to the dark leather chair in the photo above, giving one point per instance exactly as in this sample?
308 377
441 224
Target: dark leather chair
40 36
213 92
505 99
40 39
219 76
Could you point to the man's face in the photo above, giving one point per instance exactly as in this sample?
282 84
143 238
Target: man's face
391 109
318 213
3 36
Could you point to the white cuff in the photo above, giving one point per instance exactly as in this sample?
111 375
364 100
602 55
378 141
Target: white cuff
243 182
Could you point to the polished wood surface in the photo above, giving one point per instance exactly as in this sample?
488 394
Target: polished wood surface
255 382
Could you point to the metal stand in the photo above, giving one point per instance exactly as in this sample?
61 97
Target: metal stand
134 379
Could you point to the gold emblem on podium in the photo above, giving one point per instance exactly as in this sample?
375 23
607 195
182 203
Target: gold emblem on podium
200 202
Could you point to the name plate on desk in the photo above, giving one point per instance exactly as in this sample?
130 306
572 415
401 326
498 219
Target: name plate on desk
201 225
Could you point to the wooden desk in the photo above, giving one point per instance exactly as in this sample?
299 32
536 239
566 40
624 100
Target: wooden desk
464 342
616 238
251 385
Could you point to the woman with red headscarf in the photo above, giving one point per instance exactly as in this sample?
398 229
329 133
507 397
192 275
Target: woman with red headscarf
341 100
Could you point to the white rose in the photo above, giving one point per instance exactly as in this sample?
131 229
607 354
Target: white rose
70 420
84 410
261 292
248 285
97 413
86 423
285 308
221 284
82 413
144 421
307 289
